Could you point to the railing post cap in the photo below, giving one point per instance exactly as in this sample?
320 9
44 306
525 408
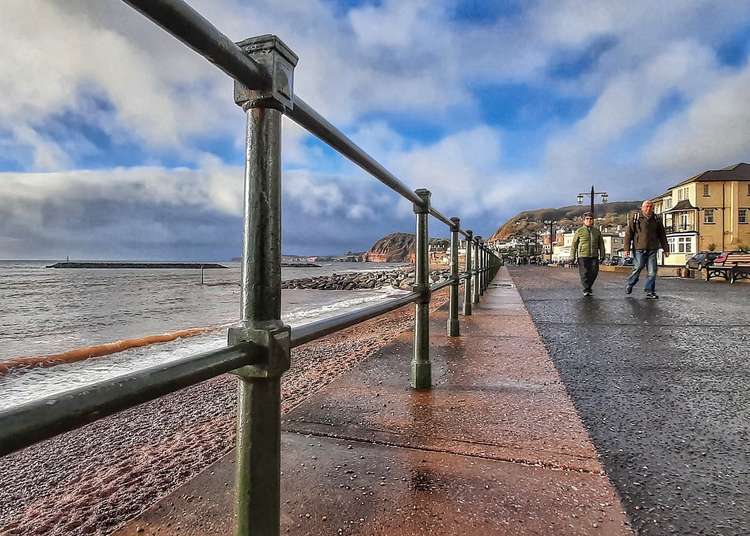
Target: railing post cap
424 194
456 224
279 61
469 234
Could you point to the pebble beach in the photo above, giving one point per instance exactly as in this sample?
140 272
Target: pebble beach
91 480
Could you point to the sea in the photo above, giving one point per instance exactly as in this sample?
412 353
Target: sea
46 311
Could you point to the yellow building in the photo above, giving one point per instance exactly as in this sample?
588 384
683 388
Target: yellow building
710 211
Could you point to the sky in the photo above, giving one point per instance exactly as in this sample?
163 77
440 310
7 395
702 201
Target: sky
118 142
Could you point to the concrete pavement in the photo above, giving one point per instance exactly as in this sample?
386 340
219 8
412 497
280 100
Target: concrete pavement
662 387
496 447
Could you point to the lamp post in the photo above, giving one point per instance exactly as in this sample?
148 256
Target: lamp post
550 224
592 193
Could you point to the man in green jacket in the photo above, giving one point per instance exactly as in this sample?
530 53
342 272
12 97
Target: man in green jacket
588 249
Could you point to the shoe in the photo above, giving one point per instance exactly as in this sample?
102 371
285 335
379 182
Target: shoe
651 296
587 293
628 290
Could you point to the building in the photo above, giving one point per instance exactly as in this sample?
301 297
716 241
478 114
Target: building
613 244
710 211
562 252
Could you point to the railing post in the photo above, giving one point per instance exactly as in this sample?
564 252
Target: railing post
453 329
258 443
467 281
486 280
484 270
477 271
421 368
480 267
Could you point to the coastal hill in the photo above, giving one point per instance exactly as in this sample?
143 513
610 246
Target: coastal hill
528 221
397 247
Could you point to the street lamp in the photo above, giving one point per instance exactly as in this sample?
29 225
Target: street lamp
592 193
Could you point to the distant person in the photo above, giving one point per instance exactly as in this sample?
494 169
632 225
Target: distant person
588 249
646 234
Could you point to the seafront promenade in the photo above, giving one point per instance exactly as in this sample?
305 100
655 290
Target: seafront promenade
495 447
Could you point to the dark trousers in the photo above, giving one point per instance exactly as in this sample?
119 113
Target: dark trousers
588 269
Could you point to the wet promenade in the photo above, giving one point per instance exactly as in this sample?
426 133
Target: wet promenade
662 387
496 447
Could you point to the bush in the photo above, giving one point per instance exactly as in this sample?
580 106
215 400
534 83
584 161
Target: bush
712 247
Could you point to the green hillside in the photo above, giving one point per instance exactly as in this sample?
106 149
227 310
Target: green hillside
528 221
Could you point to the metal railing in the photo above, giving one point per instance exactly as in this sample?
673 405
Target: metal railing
258 350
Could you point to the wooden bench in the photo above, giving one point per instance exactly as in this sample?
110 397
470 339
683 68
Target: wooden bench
731 266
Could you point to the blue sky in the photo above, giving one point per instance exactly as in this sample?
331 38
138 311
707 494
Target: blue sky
116 141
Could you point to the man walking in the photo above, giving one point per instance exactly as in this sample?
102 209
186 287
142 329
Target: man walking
646 234
588 248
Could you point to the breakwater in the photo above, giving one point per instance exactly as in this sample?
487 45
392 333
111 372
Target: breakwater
138 265
398 278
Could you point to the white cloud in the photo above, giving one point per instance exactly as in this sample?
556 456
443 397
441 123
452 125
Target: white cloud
714 130
316 197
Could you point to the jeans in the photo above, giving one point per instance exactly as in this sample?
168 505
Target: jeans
588 269
644 258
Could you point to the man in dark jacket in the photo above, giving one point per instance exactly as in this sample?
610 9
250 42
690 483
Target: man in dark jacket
588 248
646 234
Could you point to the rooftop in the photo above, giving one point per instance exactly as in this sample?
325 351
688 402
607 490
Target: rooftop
736 172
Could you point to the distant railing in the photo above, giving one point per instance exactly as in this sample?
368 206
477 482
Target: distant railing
258 350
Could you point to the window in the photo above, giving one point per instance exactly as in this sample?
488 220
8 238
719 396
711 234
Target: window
708 216
684 244
705 191
743 215
667 203
679 195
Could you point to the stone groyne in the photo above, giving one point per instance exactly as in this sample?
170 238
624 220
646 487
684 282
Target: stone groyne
399 278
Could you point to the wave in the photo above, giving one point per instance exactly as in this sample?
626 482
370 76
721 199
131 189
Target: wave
297 318
294 317
87 352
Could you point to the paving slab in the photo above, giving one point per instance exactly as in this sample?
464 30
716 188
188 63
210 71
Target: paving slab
495 447
661 386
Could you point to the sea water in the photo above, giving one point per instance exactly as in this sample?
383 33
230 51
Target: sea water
46 311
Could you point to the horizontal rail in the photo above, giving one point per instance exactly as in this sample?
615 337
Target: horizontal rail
24 425
190 27
314 330
441 285
442 218
304 115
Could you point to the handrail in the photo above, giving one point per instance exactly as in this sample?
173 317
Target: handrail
441 285
190 27
440 217
41 419
305 116
314 330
